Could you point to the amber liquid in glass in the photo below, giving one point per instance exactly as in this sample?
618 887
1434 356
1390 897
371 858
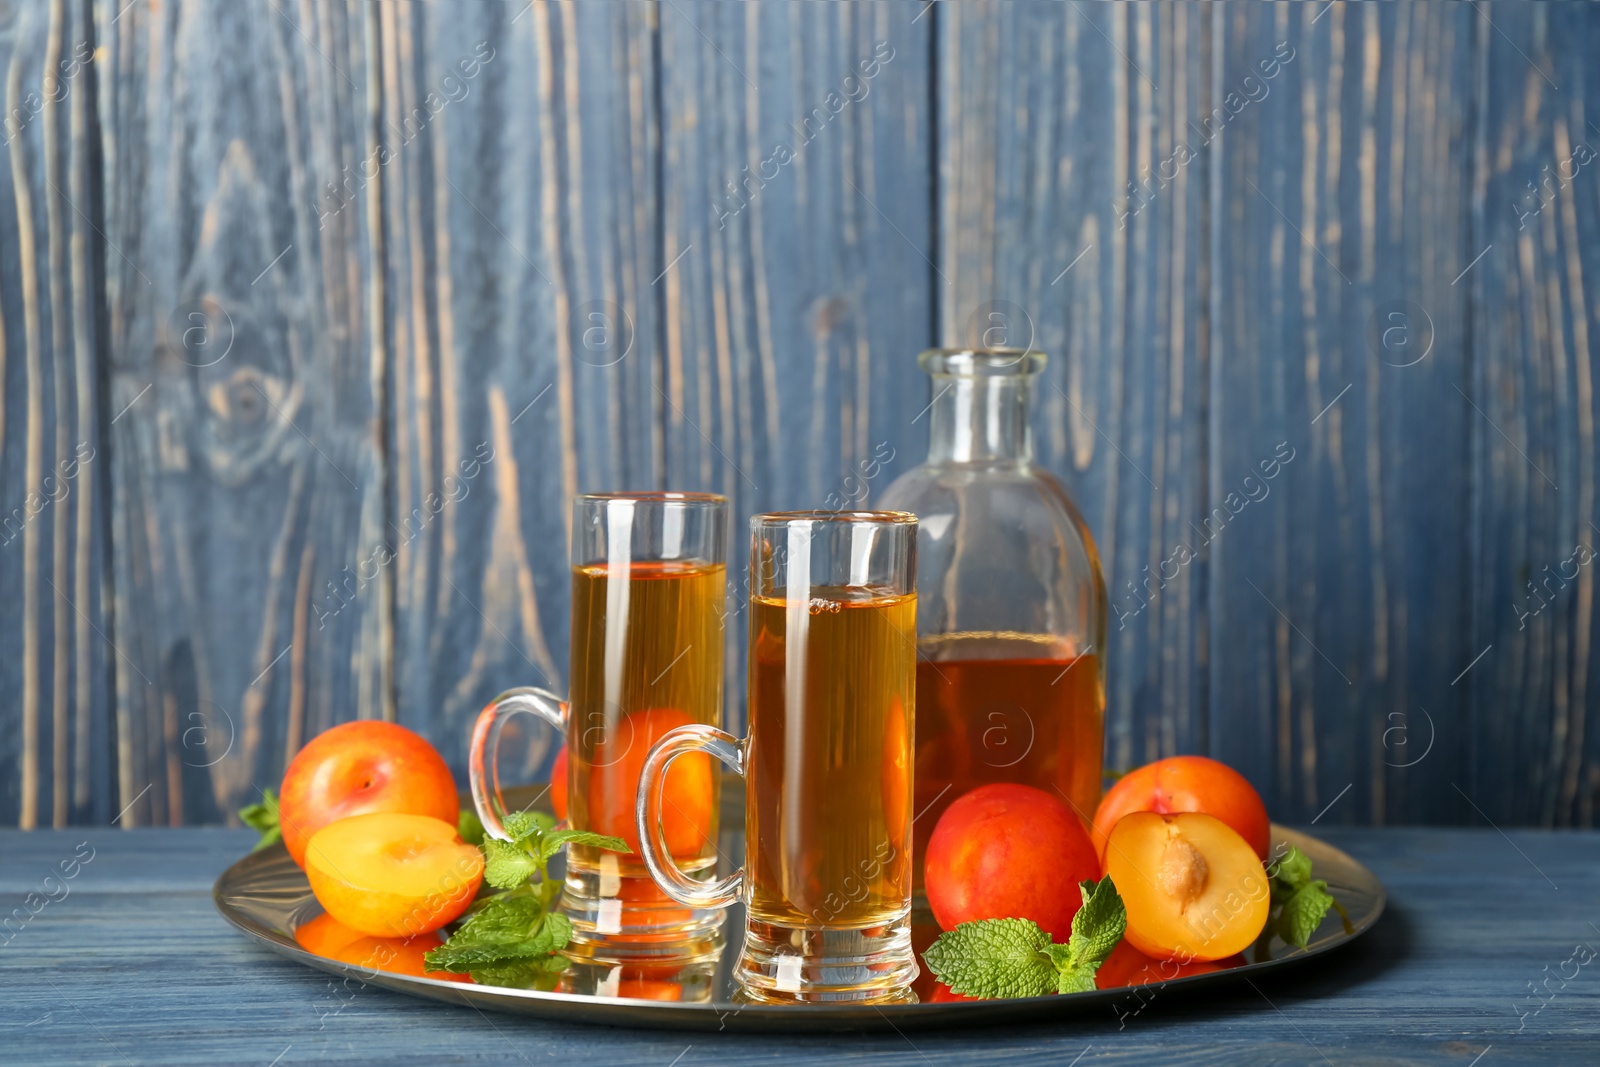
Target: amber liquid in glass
1005 708
828 785
646 657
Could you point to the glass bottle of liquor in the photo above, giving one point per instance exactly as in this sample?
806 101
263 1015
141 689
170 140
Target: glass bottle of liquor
1011 608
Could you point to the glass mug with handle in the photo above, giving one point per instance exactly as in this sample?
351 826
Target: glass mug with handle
649 581
827 763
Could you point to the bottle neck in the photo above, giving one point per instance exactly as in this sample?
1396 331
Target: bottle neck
980 419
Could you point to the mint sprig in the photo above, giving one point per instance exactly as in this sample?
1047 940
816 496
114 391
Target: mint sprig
511 929
994 958
1096 930
1299 902
263 819
1015 958
514 938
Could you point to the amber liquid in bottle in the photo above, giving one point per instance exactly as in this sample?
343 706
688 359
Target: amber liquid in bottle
828 810
646 638
1005 708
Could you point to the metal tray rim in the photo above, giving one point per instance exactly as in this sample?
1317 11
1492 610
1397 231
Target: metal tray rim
623 1011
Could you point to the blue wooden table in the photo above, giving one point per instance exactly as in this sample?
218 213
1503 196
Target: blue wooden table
122 959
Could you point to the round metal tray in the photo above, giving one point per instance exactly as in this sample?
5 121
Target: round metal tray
267 897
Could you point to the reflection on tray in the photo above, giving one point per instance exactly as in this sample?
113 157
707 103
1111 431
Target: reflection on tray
679 971
639 960
632 921
325 936
677 981
266 896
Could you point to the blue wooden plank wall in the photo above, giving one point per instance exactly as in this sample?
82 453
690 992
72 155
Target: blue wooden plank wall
1348 196
315 315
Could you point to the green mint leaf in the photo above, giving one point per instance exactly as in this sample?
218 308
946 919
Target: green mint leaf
994 958
263 818
496 929
1303 912
1070 977
1096 930
504 918
508 865
557 931
506 930
1099 924
462 959
268 839
552 841
1015 958
521 825
1290 872
1076 979
1299 902
534 839
469 827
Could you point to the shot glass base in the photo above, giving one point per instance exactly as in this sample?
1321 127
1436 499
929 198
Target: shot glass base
624 918
799 965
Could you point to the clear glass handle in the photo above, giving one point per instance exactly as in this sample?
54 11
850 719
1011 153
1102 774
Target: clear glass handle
652 839
483 757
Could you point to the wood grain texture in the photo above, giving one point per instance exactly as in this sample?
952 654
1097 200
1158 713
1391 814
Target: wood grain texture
293 271
521 237
56 743
245 376
1340 604
136 946
1050 115
1534 709
797 256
